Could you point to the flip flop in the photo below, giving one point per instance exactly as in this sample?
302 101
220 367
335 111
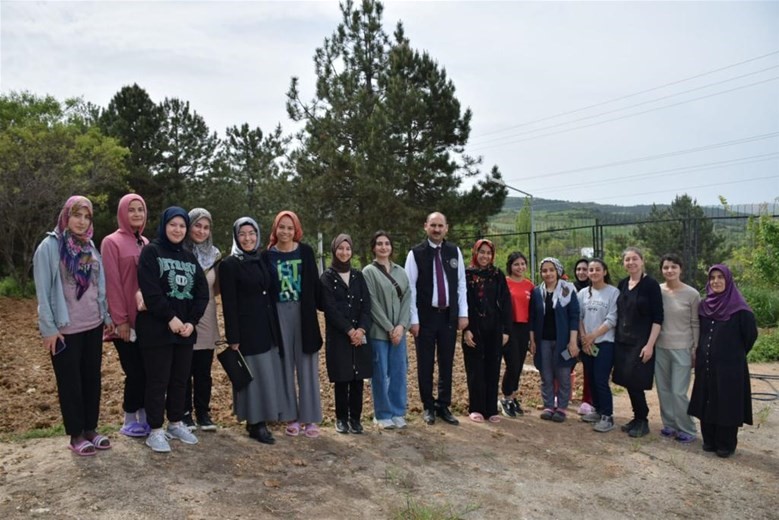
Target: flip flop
83 448
292 429
312 431
135 429
101 442
476 417
494 418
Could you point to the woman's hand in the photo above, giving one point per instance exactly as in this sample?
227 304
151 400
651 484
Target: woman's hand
187 330
587 348
573 349
235 346
646 353
175 325
505 339
532 347
50 342
468 339
109 329
123 331
397 334
139 303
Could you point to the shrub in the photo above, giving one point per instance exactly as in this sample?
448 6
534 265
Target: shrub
10 287
766 347
765 304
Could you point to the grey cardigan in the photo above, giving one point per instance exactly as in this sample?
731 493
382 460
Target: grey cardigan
387 310
52 308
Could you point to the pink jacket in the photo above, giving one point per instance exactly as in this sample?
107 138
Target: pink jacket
121 250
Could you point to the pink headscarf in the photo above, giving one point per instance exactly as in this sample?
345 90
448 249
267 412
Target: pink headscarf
76 250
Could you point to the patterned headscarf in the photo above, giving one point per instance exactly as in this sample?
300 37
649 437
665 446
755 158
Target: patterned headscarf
721 306
76 251
236 249
205 252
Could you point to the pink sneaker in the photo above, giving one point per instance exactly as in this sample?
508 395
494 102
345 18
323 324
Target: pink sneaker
585 408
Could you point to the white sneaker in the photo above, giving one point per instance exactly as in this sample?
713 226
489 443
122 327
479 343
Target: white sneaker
384 424
399 422
606 424
158 442
180 431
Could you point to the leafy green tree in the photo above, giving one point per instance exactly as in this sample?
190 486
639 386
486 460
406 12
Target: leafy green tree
45 158
758 262
683 229
383 139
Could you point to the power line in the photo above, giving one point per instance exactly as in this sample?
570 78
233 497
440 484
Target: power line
633 94
478 148
740 161
713 146
557 125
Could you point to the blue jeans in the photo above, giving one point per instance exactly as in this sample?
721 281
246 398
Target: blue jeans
551 371
388 386
598 369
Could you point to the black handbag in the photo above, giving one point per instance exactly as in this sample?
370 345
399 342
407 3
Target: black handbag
236 368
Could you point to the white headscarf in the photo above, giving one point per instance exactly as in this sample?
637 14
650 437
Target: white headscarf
236 249
206 253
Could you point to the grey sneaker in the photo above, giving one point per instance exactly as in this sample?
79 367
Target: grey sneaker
385 424
158 441
605 424
180 431
591 417
399 422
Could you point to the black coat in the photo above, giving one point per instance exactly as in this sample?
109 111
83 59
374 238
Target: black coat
346 308
721 393
249 305
489 308
309 298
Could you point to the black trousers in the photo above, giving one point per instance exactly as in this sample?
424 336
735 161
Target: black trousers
638 402
514 353
482 369
167 370
77 370
719 437
436 336
134 374
200 381
348 400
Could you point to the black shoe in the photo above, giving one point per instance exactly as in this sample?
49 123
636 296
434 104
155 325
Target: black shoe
188 422
341 426
355 426
444 413
429 416
629 426
205 422
261 433
517 408
507 408
640 429
709 448
724 454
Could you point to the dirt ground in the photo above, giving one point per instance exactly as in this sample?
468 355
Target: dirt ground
520 468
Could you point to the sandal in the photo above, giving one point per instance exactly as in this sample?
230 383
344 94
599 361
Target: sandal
494 419
134 429
83 449
101 442
312 431
292 429
476 417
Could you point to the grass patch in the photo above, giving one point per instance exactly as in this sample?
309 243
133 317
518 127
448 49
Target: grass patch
400 478
415 510
11 288
766 347
58 430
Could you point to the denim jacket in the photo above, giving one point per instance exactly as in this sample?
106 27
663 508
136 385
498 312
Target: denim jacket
52 307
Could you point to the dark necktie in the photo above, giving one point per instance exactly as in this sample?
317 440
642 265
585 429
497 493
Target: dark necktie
439 278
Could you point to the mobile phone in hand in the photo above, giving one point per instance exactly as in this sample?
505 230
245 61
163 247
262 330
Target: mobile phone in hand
594 350
566 354
59 346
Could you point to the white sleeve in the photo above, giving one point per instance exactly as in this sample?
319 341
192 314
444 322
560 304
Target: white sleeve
413 273
462 294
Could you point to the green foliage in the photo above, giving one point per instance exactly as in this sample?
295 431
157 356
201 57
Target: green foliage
766 347
13 288
383 139
757 263
416 510
764 302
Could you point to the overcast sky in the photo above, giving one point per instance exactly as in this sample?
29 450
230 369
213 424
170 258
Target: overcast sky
611 102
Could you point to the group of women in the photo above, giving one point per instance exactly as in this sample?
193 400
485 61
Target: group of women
156 302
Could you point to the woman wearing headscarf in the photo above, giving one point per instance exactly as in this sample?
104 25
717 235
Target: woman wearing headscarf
639 319
72 312
175 295
675 348
347 305
121 251
489 326
390 312
515 351
293 265
721 394
200 243
252 326
554 318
